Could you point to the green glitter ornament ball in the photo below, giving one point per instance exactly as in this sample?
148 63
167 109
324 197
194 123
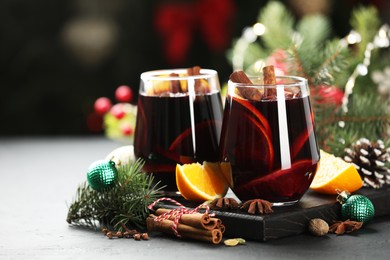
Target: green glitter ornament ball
102 175
356 208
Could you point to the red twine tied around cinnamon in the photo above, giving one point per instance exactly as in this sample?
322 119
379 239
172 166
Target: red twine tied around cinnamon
178 212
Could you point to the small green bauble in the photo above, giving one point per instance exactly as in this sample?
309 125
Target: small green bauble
356 207
102 175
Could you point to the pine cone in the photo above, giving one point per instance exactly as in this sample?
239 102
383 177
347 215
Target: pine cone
370 160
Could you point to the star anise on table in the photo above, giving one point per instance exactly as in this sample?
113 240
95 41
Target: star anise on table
257 206
224 203
347 226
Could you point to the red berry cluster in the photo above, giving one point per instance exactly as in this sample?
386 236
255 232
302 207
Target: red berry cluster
103 105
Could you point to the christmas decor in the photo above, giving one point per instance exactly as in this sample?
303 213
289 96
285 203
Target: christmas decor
123 204
382 78
102 105
177 22
124 94
346 101
122 155
356 207
370 159
102 175
119 119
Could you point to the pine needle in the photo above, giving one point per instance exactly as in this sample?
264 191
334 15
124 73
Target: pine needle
125 203
279 23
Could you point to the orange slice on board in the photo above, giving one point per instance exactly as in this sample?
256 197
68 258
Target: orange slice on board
335 175
199 182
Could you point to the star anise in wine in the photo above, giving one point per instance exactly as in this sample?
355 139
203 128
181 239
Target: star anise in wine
224 203
347 226
257 206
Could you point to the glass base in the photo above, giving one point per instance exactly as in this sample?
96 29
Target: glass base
171 194
284 204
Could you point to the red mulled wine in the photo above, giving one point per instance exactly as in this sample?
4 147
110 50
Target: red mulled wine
270 142
181 127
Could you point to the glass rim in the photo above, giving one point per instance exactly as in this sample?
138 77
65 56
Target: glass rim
298 81
156 74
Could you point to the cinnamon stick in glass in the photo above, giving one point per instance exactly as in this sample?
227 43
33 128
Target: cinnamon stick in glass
201 86
246 92
269 79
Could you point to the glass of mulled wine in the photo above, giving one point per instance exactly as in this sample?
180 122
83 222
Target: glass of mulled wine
179 120
269 140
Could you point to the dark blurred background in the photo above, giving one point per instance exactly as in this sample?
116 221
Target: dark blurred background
58 56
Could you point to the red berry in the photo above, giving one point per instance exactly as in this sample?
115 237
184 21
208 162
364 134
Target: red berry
124 93
94 122
127 130
102 105
118 111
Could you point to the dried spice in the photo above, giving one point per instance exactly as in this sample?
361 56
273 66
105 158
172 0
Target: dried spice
257 206
347 226
128 233
318 227
224 203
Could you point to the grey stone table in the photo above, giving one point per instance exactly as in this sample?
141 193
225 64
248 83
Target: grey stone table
39 176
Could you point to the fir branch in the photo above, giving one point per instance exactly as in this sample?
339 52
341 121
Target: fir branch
366 21
295 63
279 23
125 203
313 31
367 117
334 61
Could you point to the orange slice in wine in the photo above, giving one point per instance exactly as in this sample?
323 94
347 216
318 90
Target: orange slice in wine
283 183
247 144
300 141
256 113
206 133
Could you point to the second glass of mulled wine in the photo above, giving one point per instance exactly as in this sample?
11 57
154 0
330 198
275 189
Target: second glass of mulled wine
179 120
269 140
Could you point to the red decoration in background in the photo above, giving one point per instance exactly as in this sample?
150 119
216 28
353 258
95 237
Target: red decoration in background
329 94
178 22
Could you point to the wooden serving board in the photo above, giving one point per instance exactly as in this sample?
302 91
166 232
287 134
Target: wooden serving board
291 220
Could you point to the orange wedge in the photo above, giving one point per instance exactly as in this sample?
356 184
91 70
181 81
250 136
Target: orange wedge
226 169
199 182
334 174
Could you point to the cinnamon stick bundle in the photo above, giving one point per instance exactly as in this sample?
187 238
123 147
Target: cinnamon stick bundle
198 220
253 93
213 236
